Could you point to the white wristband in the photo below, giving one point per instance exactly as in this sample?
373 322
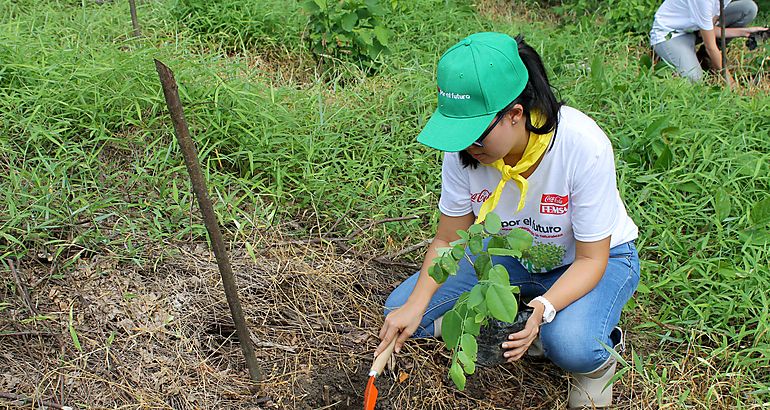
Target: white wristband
549 312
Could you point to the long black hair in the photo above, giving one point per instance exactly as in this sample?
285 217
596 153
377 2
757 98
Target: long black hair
538 95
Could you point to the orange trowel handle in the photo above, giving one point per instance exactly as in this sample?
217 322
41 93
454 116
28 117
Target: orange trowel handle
382 359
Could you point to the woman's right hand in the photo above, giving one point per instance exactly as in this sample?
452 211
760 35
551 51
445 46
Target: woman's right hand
400 323
403 322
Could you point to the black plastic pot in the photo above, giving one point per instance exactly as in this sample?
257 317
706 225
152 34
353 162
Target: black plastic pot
494 334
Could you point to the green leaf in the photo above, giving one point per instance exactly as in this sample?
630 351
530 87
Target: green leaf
669 130
482 265
11 239
451 327
597 68
645 61
751 165
310 6
374 7
690 187
655 127
73 333
755 236
449 265
492 223
437 273
501 303
349 21
760 212
497 242
366 37
482 307
722 204
382 34
665 159
504 252
463 234
458 251
468 363
442 251
470 326
519 239
625 141
461 301
457 375
476 229
110 339
469 345
499 275
460 241
476 245
476 296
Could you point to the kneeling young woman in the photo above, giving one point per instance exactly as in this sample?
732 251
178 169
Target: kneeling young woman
512 148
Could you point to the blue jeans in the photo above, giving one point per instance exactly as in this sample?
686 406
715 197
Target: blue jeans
571 340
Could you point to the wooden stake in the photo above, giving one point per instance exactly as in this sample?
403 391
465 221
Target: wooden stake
724 43
134 19
171 92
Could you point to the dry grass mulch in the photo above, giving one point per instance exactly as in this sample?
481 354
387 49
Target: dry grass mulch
160 337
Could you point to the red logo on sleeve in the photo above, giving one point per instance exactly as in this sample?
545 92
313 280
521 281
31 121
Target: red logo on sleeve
480 196
554 204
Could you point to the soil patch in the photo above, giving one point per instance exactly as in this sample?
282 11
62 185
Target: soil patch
160 336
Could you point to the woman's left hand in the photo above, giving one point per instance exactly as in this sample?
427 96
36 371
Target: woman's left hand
519 342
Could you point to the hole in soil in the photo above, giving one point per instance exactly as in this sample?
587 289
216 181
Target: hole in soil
334 388
218 340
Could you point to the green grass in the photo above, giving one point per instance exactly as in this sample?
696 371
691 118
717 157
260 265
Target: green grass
238 25
92 166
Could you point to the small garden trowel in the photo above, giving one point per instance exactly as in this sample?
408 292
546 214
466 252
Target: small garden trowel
370 394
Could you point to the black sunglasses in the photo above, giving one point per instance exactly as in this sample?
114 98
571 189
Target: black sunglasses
480 141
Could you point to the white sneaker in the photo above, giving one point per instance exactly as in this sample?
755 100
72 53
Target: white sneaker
590 390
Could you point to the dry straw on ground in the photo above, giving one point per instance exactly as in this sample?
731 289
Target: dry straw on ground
314 314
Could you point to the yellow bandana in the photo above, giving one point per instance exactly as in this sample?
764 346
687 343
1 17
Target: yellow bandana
536 146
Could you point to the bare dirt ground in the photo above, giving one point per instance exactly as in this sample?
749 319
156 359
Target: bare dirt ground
161 336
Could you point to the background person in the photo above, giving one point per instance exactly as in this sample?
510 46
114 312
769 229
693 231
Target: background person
504 132
681 24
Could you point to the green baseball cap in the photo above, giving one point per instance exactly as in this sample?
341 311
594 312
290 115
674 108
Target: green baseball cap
477 77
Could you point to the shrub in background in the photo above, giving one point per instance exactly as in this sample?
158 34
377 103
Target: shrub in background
349 30
634 16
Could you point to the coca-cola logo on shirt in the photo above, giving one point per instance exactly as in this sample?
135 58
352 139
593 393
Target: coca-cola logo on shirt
554 204
480 196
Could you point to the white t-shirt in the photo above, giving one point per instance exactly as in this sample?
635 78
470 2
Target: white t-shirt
572 194
677 17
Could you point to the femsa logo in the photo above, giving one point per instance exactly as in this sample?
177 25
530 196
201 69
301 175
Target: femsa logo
554 204
480 196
